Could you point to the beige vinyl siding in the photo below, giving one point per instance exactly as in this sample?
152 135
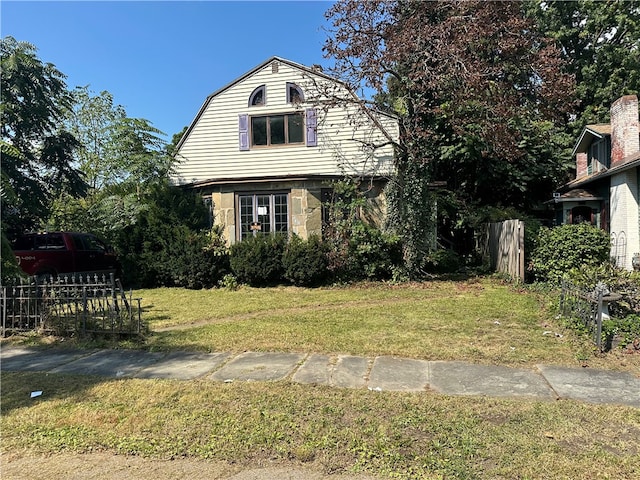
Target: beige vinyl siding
211 150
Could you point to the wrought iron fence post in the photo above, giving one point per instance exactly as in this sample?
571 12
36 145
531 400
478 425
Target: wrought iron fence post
4 311
85 308
600 293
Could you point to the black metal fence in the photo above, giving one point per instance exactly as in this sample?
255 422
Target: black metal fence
71 304
589 307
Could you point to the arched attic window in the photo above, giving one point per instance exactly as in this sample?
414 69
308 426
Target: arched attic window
294 93
258 96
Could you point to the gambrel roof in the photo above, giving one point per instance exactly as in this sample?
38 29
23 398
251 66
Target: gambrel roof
340 134
309 70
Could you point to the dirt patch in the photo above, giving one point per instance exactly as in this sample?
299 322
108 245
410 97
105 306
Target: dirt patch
105 466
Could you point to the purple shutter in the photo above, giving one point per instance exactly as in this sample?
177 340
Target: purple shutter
243 131
312 128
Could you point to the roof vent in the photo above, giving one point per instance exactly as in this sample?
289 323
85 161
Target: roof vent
274 67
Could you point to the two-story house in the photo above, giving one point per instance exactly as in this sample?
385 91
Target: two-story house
264 149
606 190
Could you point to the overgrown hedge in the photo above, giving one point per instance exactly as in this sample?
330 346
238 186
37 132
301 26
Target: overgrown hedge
562 248
267 260
365 253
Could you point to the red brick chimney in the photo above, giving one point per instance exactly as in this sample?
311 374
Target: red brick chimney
625 131
581 164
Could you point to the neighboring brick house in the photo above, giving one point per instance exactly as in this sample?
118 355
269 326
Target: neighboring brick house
264 149
606 190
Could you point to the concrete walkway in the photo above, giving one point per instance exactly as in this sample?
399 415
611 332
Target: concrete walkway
376 374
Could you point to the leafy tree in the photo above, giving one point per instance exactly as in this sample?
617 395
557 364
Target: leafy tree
175 139
161 235
114 149
479 92
36 154
138 157
601 44
91 119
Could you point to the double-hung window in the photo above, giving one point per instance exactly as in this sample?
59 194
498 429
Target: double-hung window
270 130
263 213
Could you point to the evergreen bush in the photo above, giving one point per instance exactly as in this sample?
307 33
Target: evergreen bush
257 260
367 254
305 261
187 259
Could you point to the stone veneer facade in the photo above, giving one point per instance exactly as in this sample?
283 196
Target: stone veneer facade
305 204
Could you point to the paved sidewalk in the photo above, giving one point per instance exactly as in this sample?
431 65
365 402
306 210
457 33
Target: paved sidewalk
377 374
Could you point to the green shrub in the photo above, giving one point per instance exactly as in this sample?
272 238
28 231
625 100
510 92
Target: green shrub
187 259
627 330
560 249
375 253
229 282
443 261
305 261
366 254
257 261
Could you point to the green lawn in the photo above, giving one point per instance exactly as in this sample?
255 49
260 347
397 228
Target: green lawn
393 435
482 321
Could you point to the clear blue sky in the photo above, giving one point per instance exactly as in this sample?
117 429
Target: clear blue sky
160 59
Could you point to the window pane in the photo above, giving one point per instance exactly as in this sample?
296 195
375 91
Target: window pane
259 130
294 93
41 242
258 98
264 217
281 219
55 242
93 244
246 215
277 129
24 243
296 130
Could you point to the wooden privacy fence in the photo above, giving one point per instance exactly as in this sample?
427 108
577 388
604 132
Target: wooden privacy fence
72 304
502 246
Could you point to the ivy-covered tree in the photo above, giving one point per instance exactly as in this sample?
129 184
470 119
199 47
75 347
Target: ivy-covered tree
479 92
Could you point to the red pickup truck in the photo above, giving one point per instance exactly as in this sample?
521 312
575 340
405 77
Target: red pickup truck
52 253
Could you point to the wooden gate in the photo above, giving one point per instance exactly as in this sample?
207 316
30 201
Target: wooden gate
502 246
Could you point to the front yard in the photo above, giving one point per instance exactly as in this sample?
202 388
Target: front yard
482 321
398 435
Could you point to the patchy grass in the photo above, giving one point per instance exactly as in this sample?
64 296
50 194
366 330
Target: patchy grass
482 321
392 434
399 435
479 320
